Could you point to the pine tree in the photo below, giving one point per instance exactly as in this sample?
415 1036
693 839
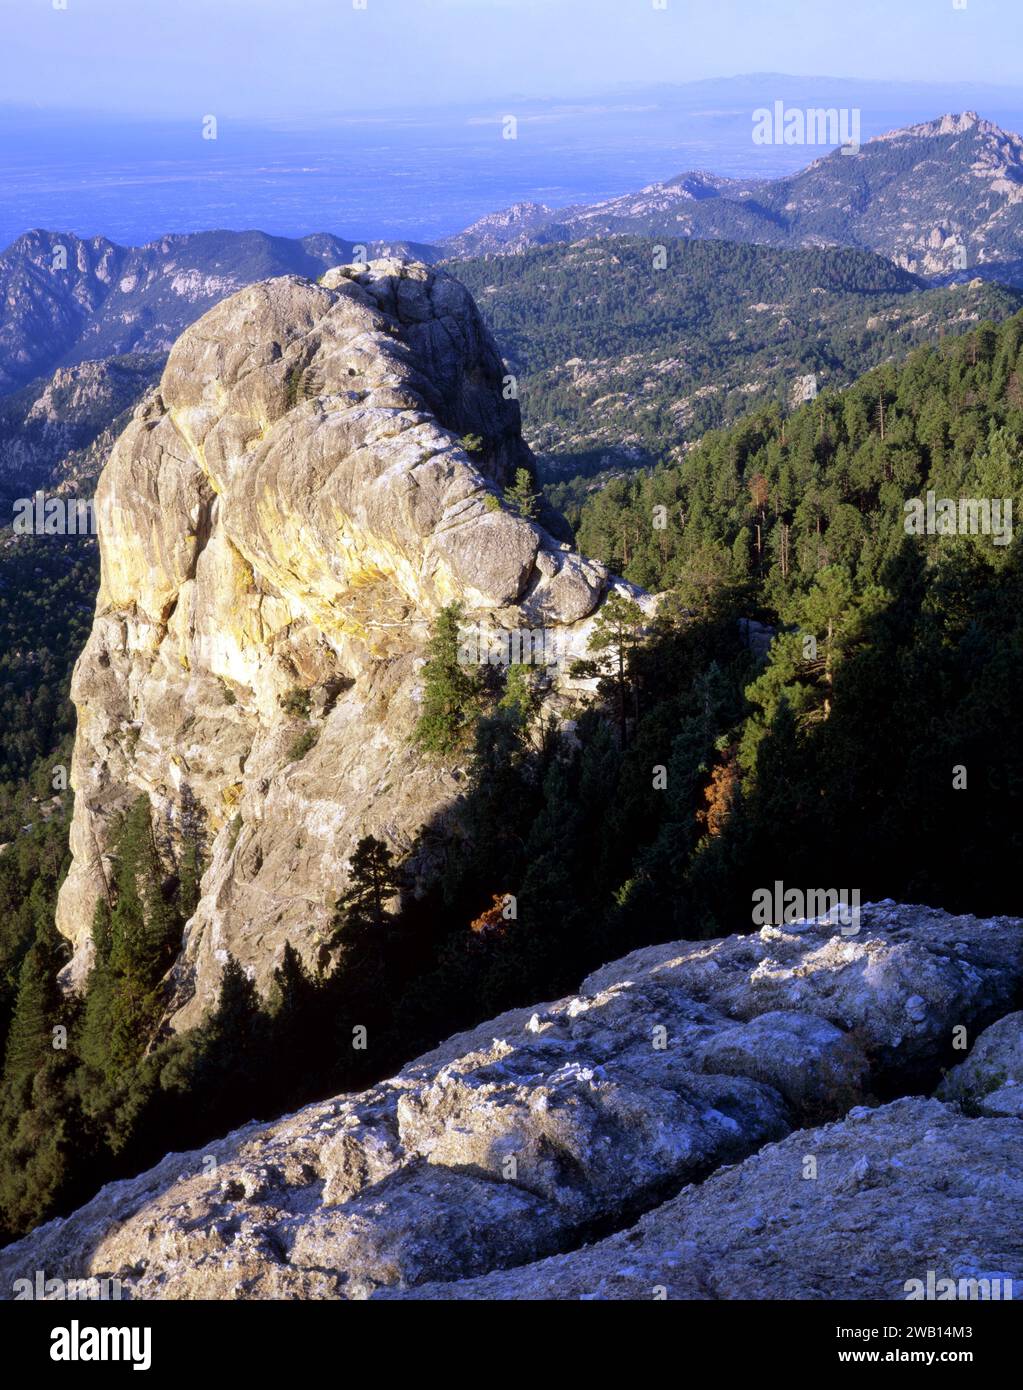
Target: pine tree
498 803
293 987
360 927
360 993
520 700
303 1021
37 1011
372 880
100 997
135 941
237 1003
41 1141
144 932
521 498
192 858
614 640
226 1071
451 689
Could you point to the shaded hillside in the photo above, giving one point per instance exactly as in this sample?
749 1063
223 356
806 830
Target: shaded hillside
621 363
57 431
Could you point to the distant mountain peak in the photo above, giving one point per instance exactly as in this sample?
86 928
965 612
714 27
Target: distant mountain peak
942 199
951 123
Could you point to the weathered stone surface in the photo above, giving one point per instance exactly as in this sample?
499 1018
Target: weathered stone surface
546 1127
899 1191
584 1133
990 1081
897 985
816 1067
419 1225
287 513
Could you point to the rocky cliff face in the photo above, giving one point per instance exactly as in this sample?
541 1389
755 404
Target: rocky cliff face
581 1149
278 524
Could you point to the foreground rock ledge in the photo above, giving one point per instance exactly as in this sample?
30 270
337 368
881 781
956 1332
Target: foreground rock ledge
546 1129
901 1192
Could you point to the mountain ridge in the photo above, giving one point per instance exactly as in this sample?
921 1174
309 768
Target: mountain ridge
120 299
113 303
841 198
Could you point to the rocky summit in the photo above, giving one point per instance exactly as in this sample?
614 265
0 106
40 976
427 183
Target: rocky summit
318 473
702 1120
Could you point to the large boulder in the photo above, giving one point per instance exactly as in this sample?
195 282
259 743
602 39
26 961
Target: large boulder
897 981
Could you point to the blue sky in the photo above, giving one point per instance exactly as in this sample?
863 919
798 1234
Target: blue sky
310 58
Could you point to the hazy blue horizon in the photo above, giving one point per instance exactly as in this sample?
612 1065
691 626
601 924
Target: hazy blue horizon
420 173
383 121
255 59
